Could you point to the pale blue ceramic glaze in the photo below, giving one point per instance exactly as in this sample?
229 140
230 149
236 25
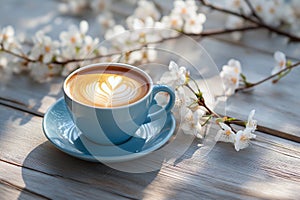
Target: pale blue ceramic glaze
110 126
62 133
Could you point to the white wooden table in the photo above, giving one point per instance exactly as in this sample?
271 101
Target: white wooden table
32 168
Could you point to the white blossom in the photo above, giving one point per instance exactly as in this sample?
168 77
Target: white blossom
184 8
106 20
225 134
181 99
194 23
145 30
120 38
146 9
74 37
73 40
272 12
242 139
251 123
7 35
175 77
280 60
173 22
89 46
44 47
237 6
114 31
230 75
8 39
142 56
191 122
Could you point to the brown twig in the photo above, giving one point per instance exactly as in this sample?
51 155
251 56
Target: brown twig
250 85
247 18
253 12
17 55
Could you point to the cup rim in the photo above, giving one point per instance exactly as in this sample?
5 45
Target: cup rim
131 67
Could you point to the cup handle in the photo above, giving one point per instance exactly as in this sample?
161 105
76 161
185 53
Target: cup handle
161 88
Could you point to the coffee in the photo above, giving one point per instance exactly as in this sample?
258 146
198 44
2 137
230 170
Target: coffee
107 86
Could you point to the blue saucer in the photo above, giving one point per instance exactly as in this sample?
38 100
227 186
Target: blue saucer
62 132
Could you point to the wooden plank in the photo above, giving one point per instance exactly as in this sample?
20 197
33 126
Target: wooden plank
49 186
23 92
10 192
268 169
277 105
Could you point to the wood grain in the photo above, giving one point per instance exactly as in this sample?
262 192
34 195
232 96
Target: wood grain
268 169
47 186
7 191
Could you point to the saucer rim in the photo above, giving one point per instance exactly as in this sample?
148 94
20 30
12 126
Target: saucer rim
106 159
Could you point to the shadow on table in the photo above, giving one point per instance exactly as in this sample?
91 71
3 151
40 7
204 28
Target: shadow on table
24 93
54 174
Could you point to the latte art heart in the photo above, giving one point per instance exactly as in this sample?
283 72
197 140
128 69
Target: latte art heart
114 81
107 89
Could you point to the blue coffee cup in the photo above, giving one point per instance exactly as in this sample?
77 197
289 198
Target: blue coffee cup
116 125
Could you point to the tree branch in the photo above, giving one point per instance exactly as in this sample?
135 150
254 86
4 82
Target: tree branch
253 12
247 18
203 34
297 64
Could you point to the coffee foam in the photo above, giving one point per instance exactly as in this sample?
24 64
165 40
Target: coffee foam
111 87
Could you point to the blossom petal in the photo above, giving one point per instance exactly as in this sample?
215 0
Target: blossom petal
84 26
251 123
173 66
279 56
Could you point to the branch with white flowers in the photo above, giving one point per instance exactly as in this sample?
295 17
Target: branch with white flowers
234 80
271 18
48 57
197 114
278 75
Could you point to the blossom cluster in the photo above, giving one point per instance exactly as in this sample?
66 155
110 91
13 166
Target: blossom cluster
242 138
276 13
48 57
77 7
147 25
232 76
195 115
